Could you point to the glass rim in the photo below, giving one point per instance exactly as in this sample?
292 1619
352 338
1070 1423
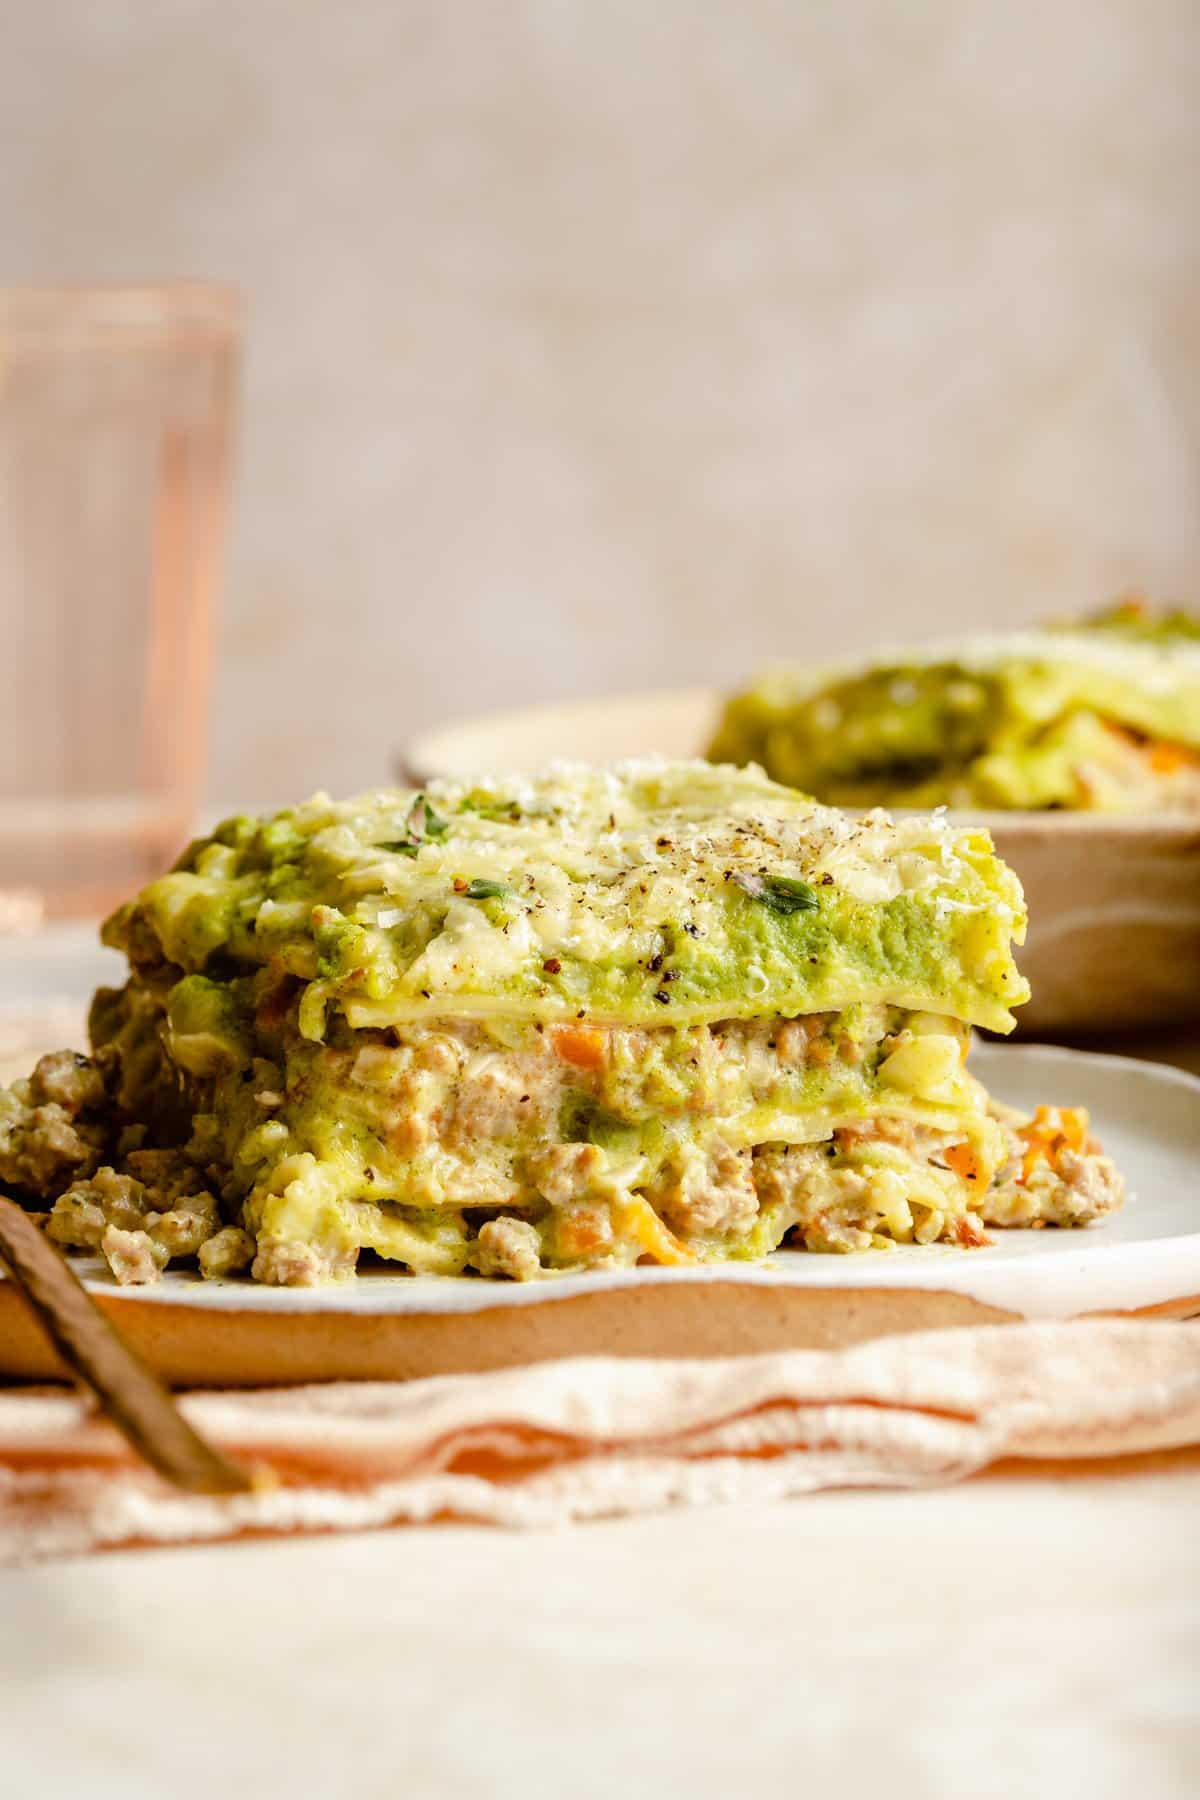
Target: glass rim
163 311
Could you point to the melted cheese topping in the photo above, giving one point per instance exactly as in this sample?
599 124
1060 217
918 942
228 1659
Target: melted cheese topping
653 892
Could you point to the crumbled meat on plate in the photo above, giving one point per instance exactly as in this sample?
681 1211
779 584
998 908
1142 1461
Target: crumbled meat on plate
133 1256
53 1126
509 1247
186 1227
226 1253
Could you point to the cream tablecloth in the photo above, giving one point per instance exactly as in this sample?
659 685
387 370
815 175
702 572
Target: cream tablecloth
1019 1635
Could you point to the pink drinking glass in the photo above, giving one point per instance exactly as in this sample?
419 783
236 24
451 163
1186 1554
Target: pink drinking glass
116 413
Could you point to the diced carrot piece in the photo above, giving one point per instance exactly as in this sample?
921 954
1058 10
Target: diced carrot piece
1165 759
1050 1122
641 1222
584 1231
1052 1130
963 1160
1073 1124
581 1046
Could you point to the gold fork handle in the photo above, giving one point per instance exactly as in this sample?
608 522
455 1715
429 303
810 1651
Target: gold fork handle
135 1400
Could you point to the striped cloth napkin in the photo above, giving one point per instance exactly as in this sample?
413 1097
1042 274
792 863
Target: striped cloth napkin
591 1437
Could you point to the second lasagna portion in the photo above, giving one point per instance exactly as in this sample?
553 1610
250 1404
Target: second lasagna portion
1104 716
664 1013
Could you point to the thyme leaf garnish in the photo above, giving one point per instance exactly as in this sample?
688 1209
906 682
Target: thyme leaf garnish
423 824
782 893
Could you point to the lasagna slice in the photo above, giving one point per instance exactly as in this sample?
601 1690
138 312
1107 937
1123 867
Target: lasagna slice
1102 717
669 1013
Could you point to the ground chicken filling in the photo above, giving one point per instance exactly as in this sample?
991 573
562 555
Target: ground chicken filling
513 1148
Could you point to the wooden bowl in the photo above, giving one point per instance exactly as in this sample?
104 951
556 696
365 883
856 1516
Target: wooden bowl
1114 901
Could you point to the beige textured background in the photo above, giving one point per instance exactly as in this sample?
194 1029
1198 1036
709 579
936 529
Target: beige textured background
605 345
